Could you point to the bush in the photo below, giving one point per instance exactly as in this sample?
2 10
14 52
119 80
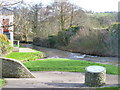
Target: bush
114 36
62 39
52 41
64 36
41 42
102 42
5 45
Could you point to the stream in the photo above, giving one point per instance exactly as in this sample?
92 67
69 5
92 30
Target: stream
55 53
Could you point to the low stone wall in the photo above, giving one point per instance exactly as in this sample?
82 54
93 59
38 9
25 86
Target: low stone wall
95 76
14 69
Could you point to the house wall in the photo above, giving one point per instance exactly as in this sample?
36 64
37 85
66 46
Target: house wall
10 22
1 29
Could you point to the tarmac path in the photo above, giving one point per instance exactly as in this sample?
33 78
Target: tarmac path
55 79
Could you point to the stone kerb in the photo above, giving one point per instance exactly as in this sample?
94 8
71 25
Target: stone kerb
95 76
12 68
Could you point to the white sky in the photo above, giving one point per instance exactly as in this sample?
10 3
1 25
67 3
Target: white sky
94 5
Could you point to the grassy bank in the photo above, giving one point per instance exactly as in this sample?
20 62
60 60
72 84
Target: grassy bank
66 65
2 82
26 56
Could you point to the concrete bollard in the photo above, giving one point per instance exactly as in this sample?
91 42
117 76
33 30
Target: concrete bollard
16 48
95 76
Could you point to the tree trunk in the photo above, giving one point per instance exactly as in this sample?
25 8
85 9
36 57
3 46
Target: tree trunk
71 19
62 21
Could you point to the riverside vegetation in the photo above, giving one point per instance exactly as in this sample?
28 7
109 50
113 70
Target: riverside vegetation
66 26
100 42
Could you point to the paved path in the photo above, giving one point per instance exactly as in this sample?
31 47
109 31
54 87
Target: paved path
26 50
54 79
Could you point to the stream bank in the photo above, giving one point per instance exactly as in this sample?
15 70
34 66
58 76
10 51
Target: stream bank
55 53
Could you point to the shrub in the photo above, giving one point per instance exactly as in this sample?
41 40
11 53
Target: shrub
52 41
62 39
5 45
64 36
102 42
40 42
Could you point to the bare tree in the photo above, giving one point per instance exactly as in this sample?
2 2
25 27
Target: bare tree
23 26
66 13
8 3
35 16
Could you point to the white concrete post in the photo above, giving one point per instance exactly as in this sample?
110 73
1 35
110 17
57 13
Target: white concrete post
1 29
11 29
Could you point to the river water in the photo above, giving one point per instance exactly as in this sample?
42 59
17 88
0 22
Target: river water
55 53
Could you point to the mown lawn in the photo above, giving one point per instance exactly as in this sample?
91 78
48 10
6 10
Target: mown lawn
26 56
109 88
66 65
2 82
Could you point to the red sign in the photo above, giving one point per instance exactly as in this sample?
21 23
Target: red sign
5 25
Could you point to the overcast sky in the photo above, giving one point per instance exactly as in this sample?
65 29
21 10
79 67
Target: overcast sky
94 5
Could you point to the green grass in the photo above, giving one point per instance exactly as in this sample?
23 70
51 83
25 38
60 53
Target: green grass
26 56
2 82
19 46
66 65
109 88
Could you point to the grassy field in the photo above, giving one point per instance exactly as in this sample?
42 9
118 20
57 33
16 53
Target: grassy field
66 65
26 56
2 82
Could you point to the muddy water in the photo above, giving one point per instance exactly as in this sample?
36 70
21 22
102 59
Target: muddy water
55 53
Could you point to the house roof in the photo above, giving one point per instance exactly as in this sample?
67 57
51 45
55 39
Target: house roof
5 10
